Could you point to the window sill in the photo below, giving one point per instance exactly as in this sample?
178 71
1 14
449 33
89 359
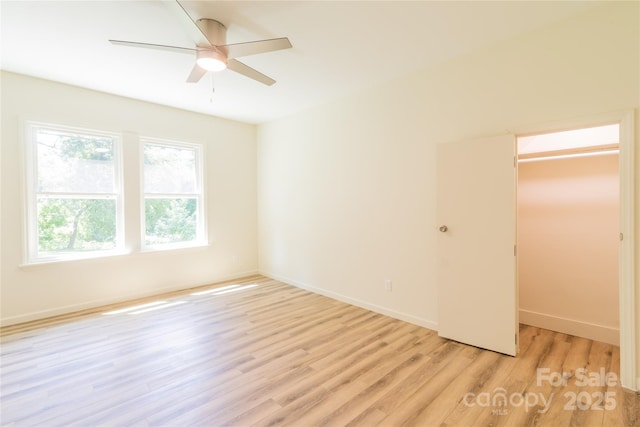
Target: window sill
37 264
173 247
62 260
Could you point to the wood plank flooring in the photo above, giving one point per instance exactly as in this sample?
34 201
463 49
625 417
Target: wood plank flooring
260 352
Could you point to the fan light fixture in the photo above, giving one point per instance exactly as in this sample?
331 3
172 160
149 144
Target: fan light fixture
212 52
211 60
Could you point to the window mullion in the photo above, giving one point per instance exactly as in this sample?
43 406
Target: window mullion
76 195
171 195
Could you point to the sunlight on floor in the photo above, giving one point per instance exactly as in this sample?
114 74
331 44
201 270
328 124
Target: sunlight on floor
225 290
157 305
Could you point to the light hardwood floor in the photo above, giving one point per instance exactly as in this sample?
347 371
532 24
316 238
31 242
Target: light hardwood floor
266 353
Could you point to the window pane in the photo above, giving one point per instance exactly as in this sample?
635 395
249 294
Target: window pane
170 220
169 170
74 225
73 163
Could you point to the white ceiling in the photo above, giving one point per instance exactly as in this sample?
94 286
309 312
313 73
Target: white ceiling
338 47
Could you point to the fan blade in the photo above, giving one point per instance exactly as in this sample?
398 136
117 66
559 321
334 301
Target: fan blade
245 70
196 74
189 24
237 50
154 46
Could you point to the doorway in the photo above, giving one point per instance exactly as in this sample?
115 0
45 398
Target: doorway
467 305
568 210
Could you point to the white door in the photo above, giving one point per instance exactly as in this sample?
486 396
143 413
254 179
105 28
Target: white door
477 295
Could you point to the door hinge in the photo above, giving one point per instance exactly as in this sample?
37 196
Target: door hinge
515 161
621 237
514 250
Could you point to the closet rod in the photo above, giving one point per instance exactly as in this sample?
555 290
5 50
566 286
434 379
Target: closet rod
570 153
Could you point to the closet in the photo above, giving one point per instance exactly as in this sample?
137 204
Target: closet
568 231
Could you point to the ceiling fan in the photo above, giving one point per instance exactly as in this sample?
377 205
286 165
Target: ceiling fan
212 51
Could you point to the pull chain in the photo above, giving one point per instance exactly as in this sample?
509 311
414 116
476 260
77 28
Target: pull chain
213 89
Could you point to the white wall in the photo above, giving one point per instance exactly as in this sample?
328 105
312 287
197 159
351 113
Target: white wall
346 193
568 238
345 202
34 292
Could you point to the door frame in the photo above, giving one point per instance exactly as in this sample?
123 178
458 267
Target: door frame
626 261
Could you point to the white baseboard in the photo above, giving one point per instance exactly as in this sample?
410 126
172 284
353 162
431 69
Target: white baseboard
569 326
43 314
425 323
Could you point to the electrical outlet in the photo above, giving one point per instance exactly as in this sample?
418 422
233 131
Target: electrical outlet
388 286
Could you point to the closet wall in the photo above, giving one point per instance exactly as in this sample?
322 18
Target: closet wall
568 232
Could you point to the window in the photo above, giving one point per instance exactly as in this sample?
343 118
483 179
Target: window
173 194
73 193
75 201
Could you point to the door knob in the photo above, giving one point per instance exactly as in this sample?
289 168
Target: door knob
443 228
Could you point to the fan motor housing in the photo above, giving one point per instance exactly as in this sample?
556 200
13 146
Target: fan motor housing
215 31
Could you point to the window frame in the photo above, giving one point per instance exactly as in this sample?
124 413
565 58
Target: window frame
200 195
31 251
